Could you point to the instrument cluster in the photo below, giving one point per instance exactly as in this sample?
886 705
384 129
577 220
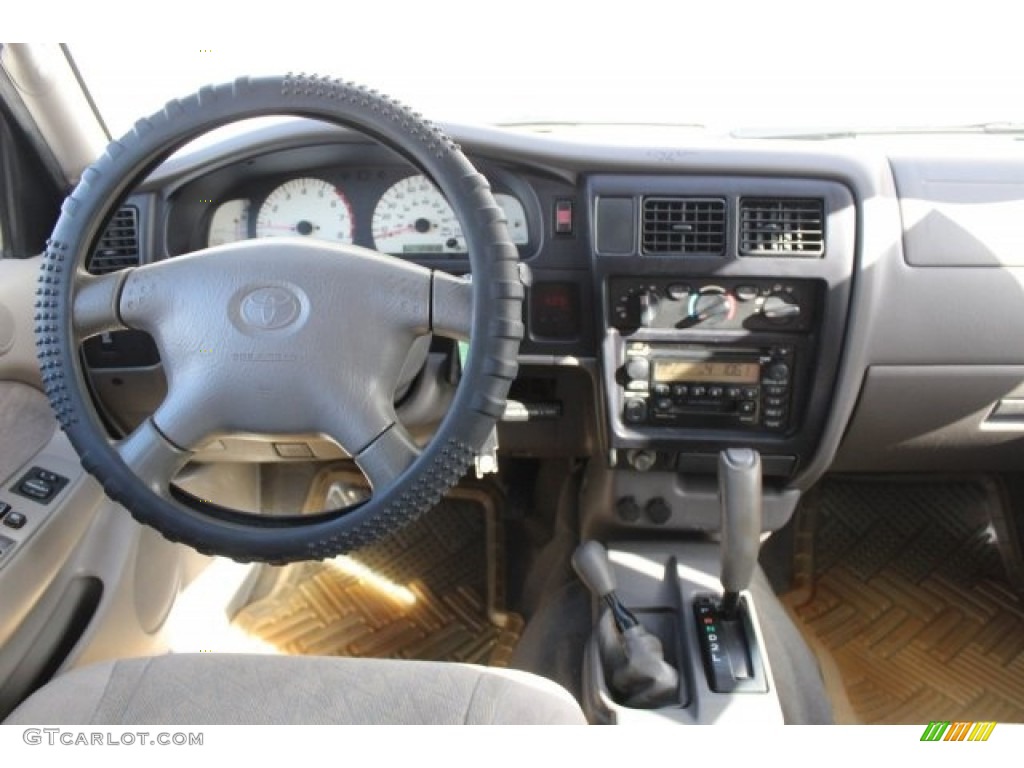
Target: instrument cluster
392 211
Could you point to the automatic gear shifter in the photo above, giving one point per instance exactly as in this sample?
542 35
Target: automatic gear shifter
727 639
639 675
739 485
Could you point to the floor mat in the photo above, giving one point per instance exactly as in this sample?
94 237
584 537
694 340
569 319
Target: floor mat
430 591
903 587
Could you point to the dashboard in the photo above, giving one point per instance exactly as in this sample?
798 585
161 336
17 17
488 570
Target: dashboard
789 296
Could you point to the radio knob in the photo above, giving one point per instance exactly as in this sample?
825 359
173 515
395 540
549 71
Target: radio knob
638 368
635 411
777 372
780 308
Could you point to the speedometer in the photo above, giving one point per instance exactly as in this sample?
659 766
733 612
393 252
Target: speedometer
306 208
412 217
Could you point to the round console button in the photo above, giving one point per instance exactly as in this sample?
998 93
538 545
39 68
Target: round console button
635 411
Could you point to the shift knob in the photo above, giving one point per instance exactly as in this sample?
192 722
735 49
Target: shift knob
739 485
590 560
632 657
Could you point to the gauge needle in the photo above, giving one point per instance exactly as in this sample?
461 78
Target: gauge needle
396 231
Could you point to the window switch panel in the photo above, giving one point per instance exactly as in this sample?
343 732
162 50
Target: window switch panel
40 485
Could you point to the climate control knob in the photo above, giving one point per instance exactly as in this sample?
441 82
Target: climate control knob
780 308
711 306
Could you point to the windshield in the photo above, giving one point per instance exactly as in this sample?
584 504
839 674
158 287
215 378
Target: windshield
727 66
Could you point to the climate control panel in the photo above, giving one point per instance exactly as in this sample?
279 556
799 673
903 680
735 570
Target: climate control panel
752 304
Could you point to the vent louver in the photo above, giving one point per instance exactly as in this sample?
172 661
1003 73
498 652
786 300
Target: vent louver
782 227
684 225
119 246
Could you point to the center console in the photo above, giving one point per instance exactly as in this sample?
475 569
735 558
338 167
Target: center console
723 304
677 637
672 590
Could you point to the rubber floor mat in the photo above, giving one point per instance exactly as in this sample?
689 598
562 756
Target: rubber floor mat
430 591
903 586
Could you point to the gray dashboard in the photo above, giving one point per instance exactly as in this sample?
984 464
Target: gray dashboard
912 360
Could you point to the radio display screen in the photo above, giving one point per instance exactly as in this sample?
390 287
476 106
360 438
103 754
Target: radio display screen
706 370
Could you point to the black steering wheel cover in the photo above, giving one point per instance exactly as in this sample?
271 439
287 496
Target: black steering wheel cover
496 326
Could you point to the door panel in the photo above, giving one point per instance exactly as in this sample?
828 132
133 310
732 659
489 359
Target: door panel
17 313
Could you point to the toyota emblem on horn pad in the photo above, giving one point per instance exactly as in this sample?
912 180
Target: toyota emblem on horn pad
267 309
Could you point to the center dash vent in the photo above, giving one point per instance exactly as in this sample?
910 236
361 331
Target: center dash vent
782 227
119 246
684 225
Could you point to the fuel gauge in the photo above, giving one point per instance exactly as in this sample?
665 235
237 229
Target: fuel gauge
516 216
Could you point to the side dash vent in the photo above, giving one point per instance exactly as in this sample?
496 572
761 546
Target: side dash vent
782 227
684 225
118 247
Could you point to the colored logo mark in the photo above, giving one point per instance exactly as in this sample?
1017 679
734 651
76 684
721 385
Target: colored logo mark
944 730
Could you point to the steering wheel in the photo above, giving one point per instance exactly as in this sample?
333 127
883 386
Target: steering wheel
281 336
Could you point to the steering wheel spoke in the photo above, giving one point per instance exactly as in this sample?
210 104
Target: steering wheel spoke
451 303
97 304
152 457
387 457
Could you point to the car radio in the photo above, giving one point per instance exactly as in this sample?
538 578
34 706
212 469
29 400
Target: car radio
703 385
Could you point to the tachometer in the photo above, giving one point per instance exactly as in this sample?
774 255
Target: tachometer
306 207
229 223
412 217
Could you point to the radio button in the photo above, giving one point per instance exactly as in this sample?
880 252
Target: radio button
638 368
775 390
774 413
734 393
680 390
715 392
662 390
750 393
663 404
699 391
774 423
635 411
747 407
775 402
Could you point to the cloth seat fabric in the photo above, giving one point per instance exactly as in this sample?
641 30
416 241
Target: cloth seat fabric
242 689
